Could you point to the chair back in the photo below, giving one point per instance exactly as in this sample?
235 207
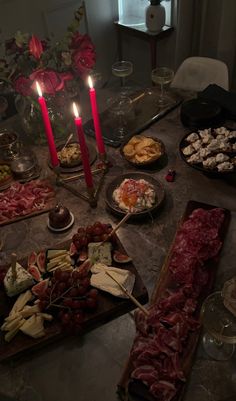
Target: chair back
196 73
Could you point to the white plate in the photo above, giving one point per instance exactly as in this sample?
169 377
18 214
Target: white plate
64 228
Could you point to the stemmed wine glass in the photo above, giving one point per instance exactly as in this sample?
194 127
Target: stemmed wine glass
220 325
122 69
162 76
120 108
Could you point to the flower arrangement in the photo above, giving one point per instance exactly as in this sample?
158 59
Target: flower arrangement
57 67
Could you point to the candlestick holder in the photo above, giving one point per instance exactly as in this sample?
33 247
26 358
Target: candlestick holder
92 192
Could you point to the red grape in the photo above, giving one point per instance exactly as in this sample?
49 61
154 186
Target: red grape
66 318
89 229
91 303
85 282
78 318
76 304
57 274
82 290
97 238
68 302
93 293
81 230
75 275
65 276
73 292
61 287
97 231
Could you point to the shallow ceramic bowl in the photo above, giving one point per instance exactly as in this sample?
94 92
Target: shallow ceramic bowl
149 161
22 166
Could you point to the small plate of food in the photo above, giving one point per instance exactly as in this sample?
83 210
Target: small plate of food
141 150
138 193
70 156
210 150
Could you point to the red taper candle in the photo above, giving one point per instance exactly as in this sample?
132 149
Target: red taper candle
83 148
48 128
96 120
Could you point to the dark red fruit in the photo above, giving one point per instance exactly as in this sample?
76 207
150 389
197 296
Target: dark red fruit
65 276
57 274
85 282
81 290
81 230
73 293
66 318
61 287
76 304
93 293
78 318
91 303
68 302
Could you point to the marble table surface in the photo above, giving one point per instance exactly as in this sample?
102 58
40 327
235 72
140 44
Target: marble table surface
89 368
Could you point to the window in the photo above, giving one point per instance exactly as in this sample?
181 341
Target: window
132 12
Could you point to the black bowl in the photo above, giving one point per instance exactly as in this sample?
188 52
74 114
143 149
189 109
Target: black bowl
201 113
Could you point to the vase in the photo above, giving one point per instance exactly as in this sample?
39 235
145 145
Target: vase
59 113
155 17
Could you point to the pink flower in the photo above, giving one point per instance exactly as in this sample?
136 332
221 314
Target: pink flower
81 42
35 47
50 81
22 85
83 60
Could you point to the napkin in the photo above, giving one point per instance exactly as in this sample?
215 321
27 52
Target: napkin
102 281
226 99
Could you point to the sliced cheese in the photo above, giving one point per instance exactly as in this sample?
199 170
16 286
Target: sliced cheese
30 310
33 327
11 334
23 281
54 253
21 301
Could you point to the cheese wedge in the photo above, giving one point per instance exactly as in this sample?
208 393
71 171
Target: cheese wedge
104 282
23 281
54 253
100 253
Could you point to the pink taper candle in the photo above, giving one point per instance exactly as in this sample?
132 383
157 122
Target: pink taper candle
48 128
83 148
96 120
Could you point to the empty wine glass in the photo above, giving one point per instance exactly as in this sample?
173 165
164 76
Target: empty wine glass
120 108
220 325
162 76
122 69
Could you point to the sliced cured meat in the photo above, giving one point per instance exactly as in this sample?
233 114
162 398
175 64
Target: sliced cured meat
147 374
22 199
163 390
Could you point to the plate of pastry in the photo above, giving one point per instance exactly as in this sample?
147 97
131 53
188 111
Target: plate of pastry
211 150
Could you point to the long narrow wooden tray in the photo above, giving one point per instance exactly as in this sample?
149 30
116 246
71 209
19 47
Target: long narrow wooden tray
109 307
137 388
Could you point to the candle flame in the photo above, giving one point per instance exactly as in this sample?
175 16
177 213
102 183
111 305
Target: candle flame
90 82
76 111
39 89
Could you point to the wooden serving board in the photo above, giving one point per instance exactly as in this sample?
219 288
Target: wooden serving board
109 307
47 207
137 388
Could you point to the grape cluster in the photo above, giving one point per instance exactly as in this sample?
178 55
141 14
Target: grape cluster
70 293
98 232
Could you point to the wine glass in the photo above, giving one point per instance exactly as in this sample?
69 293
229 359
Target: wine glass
220 325
162 76
120 108
122 69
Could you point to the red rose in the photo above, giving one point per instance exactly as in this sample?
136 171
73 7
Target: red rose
22 85
79 41
49 80
83 60
35 47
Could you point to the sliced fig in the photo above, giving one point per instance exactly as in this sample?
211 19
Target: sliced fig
41 261
121 257
73 250
32 259
40 288
34 271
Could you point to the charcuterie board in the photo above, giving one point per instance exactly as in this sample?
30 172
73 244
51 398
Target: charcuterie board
109 307
21 201
140 386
